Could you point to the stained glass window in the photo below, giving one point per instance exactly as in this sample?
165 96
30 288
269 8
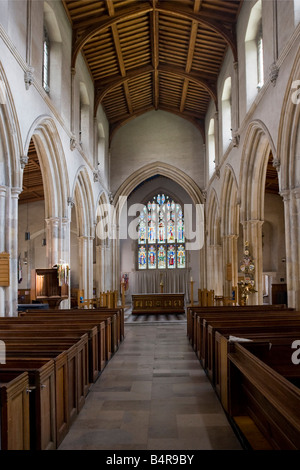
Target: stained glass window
161 235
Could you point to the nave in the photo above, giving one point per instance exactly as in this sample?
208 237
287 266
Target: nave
153 395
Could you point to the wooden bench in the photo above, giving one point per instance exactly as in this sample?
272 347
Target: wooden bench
112 324
203 319
77 361
14 411
224 345
77 366
194 312
234 326
64 330
260 394
45 429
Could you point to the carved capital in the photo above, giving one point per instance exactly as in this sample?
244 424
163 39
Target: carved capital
23 161
70 201
28 77
276 164
274 71
73 143
96 176
236 140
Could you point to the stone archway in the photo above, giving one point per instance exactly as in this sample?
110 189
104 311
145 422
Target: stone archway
85 223
229 230
132 182
255 157
214 245
289 180
11 164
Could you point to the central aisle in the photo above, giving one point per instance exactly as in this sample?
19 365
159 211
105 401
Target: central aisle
152 395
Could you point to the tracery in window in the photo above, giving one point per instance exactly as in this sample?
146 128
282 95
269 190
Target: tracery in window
161 243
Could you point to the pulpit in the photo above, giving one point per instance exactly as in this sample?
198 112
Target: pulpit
46 288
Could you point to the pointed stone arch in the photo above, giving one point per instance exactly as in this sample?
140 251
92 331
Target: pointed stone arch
134 180
11 157
289 179
229 229
85 216
53 165
214 245
255 156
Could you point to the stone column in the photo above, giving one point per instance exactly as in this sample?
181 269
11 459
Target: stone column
253 234
3 191
64 252
11 293
291 200
98 269
52 237
82 249
296 244
217 138
90 267
230 254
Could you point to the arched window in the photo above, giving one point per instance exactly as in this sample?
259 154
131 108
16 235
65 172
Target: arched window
226 113
161 242
254 53
46 61
84 117
211 148
296 12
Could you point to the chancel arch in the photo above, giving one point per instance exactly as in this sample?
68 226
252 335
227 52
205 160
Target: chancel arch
159 178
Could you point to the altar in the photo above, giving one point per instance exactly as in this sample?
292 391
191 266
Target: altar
157 303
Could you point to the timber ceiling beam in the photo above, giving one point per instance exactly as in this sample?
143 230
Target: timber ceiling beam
101 91
213 21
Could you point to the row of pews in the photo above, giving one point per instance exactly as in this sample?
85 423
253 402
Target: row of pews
247 353
52 358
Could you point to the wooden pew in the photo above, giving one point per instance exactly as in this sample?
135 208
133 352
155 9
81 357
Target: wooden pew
63 329
45 430
234 326
261 398
194 312
114 323
223 346
68 319
14 411
77 361
76 366
205 317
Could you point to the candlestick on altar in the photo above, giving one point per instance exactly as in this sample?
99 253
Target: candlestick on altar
161 287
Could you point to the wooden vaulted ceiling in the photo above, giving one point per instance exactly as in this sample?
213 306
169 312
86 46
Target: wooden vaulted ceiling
155 54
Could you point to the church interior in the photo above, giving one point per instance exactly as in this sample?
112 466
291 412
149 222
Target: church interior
150 224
